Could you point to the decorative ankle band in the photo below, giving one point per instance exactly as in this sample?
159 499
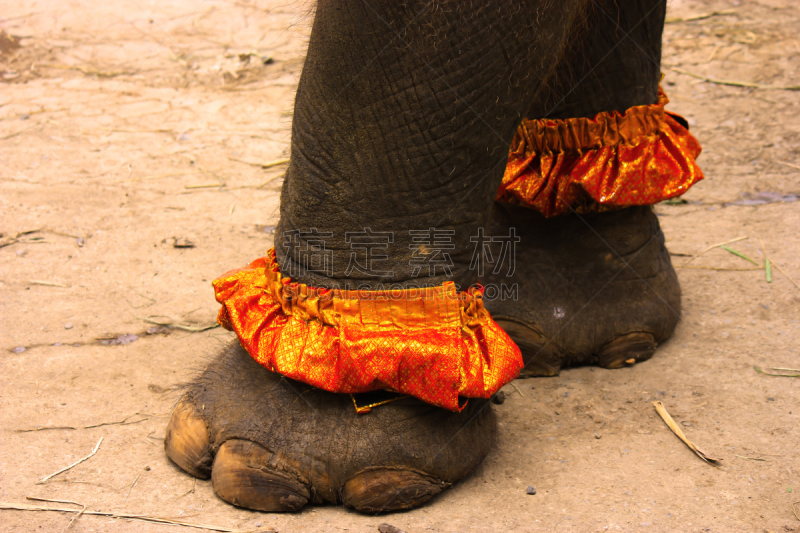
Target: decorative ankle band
432 343
639 157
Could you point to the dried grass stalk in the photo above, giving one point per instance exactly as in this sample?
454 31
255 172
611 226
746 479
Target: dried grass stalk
144 518
737 83
712 247
662 411
76 463
777 375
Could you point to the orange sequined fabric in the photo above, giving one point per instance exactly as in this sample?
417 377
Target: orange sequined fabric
432 343
639 157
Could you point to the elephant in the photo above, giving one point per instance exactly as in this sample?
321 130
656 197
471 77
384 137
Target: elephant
411 121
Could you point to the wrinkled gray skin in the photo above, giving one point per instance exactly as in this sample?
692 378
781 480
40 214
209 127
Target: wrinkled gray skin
405 112
403 119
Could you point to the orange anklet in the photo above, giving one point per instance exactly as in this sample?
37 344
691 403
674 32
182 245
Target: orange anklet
433 343
639 157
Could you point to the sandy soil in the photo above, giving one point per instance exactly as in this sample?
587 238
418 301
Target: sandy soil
128 127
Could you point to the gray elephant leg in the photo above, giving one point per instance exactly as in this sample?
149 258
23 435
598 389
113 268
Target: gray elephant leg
403 117
592 288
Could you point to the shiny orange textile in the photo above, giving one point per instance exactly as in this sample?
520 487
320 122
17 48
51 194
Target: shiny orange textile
432 343
639 157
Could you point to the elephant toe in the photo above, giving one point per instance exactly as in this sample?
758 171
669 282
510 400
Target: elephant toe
248 475
627 350
187 440
383 489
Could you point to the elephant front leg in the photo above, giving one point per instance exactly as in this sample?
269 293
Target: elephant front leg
400 138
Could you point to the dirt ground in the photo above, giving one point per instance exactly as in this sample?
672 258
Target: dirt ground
130 128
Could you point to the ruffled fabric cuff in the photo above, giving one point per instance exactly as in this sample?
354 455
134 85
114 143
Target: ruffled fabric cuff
433 343
639 157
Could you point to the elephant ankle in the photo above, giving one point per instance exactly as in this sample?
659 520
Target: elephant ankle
390 259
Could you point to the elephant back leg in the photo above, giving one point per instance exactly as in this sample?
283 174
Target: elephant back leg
593 283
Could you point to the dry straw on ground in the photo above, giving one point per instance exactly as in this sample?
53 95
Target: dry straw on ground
144 518
662 411
76 463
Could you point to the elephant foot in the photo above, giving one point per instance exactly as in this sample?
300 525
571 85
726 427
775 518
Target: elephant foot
590 289
272 444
